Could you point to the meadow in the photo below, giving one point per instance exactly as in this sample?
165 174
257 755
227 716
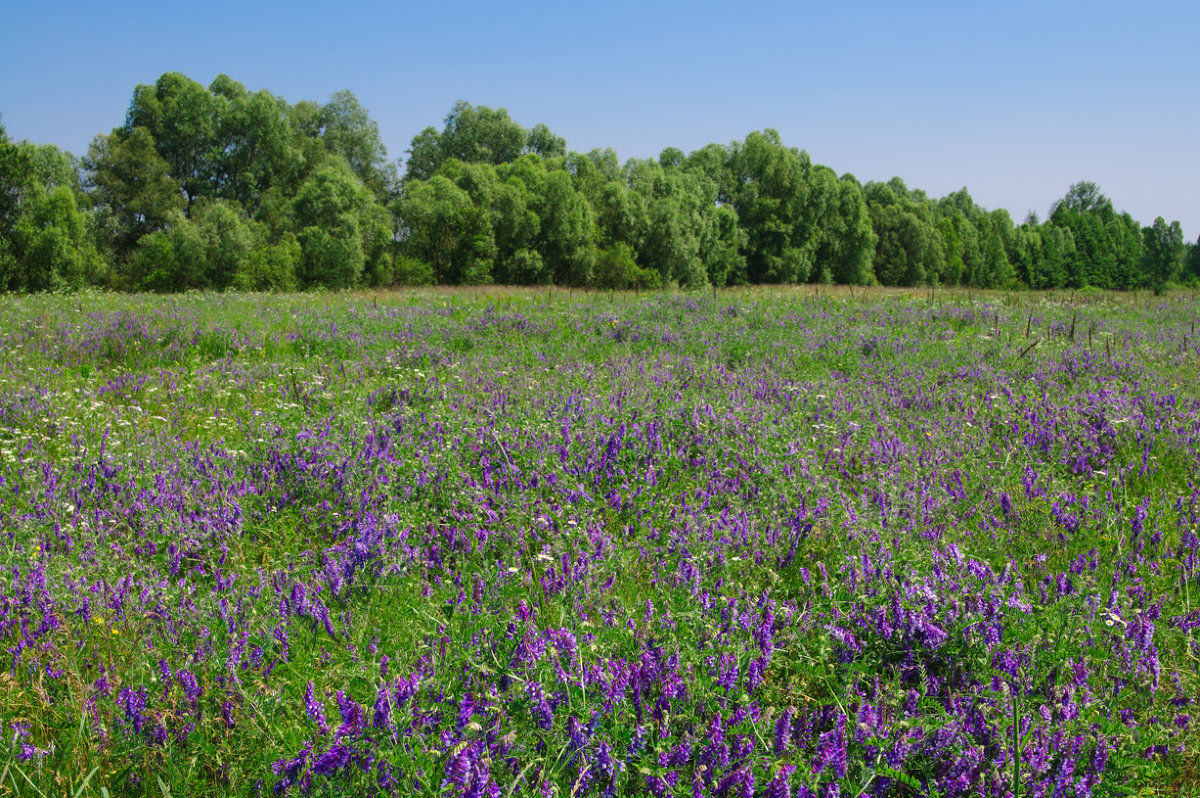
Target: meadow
532 542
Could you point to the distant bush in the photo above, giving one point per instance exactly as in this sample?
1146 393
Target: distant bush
616 269
412 271
272 268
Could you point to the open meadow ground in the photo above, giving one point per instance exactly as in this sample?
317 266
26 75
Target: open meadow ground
500 543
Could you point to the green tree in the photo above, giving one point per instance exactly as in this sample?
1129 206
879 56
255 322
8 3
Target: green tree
971 249
768 187
443 227
253 147
542 141
215 248
909 249
996 269
510 207
621 216
565 230
1058 254
673 240
344 233
1085 197
619 211
1086 213
51 167
1163 252
714 161
162 260
479 180
225 142
15 173
952 246
131 187
516 228
722 244
474 135
481 135
46 238
228 240
349 131
270 266
478 134
1039 254
681 224
672 158
847 241
963 230
424 155
179 115
306 147
564 239
617 269
607 165
1125 235
172 259
52 242
976 244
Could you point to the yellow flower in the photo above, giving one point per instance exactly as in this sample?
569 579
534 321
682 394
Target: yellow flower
96 619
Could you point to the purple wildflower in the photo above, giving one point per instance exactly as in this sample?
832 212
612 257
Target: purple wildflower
333 760
315 710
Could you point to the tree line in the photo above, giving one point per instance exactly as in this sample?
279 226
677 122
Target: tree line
221 188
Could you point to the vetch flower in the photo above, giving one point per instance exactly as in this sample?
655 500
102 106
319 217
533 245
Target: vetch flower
314 709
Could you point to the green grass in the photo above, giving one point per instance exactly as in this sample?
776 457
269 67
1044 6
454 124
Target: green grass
675 439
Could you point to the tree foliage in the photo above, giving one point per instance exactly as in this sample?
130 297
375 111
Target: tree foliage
1163 253
478 134
446 230
220 187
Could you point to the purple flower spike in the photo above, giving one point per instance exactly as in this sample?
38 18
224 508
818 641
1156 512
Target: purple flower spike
332 761
316 712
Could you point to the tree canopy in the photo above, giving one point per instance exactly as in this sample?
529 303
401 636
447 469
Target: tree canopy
219 187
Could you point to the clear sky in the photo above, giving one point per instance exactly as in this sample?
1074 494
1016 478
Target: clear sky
1014 100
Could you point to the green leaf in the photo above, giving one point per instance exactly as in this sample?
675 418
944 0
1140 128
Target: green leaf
83 786
896 775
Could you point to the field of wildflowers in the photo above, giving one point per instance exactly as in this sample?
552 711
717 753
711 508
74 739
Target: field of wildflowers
757 543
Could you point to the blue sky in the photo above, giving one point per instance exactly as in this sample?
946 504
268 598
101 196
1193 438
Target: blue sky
1014 100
